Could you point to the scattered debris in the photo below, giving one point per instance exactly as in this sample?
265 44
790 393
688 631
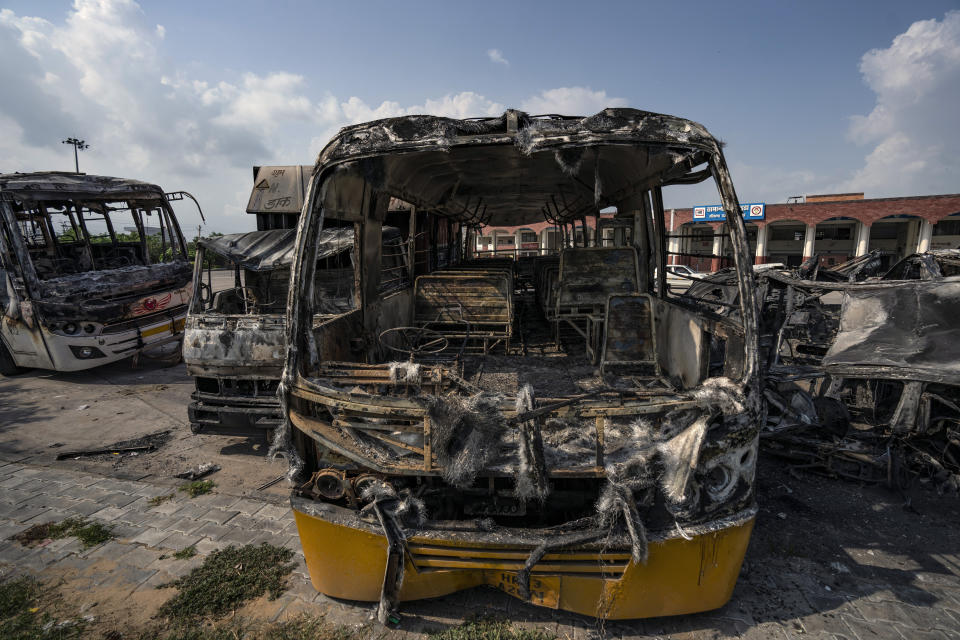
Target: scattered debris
270 483
197 487
135 447
227 579
115 451
199 471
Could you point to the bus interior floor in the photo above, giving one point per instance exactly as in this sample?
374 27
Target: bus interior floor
534 358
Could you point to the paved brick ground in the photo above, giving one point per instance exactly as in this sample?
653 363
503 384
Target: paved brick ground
780 594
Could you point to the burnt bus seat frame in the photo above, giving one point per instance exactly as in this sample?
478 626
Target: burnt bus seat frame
473 306
629 336
586 278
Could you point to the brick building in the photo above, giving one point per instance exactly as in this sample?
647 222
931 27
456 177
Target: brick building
835 227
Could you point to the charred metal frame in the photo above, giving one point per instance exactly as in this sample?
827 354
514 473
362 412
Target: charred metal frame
335 393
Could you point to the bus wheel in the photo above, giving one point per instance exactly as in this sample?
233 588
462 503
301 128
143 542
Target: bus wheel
7 366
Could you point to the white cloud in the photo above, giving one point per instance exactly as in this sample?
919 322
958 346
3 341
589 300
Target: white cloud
571 101
496 55
101 74
914 127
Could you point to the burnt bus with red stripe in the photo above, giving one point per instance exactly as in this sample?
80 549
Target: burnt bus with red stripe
93 269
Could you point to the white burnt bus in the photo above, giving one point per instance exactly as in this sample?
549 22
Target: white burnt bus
93 269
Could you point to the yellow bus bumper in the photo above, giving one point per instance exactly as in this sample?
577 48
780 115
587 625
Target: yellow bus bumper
680 576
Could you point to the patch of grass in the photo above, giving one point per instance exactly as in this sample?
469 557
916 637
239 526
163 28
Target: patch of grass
89 533
93 534
158 500
197 487
227 579
300 628
17 595
22 615
231 631
34 535
307 628
185 553
490 629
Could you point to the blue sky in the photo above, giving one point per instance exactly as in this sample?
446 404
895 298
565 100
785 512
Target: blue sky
809 97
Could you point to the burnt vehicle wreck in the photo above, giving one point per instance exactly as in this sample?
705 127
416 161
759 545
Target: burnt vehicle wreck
563 431
235 333
868 388
78 288
860 368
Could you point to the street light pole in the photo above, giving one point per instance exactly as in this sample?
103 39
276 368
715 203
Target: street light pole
77 145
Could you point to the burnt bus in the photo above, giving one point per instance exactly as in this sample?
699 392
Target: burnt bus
584 438
234 340
93 269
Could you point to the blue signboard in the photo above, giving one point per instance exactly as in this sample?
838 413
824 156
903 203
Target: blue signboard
715 212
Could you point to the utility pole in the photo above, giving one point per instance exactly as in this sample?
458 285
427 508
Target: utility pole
78 145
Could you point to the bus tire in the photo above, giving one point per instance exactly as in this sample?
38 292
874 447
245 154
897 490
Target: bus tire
7 366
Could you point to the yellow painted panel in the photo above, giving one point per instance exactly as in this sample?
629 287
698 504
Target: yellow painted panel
680 576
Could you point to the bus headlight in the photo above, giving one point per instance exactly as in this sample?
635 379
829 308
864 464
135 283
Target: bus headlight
86 353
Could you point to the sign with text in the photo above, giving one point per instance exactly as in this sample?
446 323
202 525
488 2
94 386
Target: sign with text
715 212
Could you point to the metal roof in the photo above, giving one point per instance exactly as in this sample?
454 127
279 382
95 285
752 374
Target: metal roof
516 169
273 249
55 184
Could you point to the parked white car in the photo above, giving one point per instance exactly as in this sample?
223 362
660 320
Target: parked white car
680 277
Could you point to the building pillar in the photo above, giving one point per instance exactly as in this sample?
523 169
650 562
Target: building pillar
926 236
673 248
717 248
809 239
863 239
761 253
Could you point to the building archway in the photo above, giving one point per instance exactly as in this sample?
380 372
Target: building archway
550 240
527 242
895 237
504 242
835 240
946 233
785 239
696 246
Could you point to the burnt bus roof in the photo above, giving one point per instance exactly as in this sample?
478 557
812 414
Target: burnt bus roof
273 248
46 185
255 250
506 169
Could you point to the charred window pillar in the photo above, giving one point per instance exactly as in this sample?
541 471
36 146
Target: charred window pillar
370 256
